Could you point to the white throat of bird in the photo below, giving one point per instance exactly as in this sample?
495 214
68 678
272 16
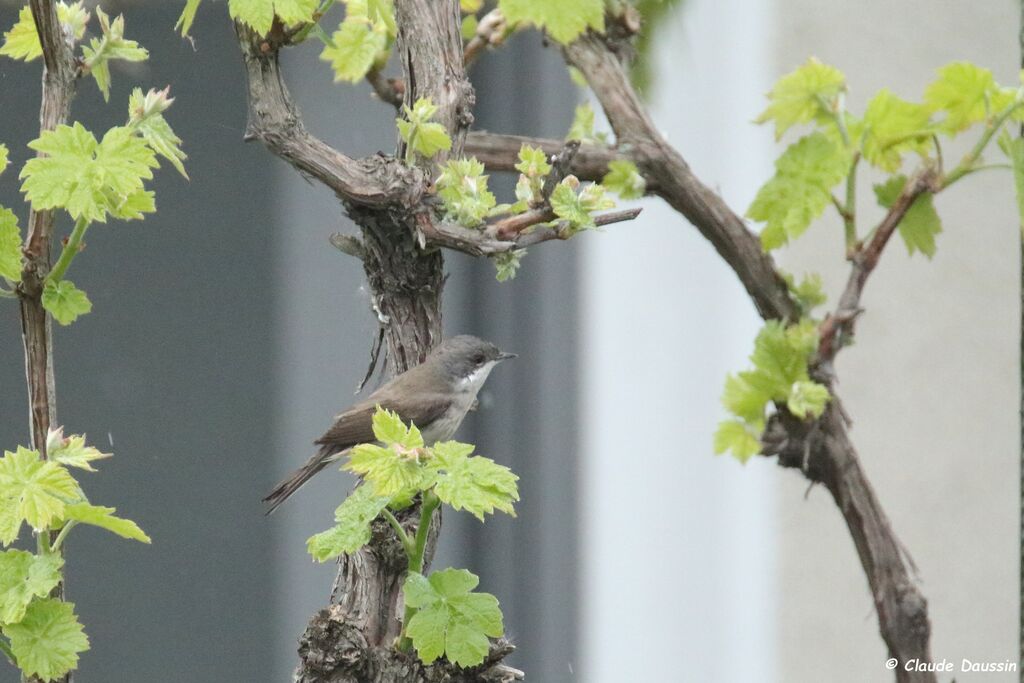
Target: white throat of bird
471 384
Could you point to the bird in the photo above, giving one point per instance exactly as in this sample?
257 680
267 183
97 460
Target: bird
434 395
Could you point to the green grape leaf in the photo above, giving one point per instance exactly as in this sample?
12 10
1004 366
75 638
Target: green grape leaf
507 264
3 158
469 26
780 357
48 639
921 223
356 46
352 531
10 246
22 41
894 127
259 14
582 127
963 92
110 46
807 398
380 12
392 471
145 113
809 293
470 6
576 208
450 619
800 190
72 451
462 187
801 96
533 162
420 134
1013 147
390 430
738 438
188 15
745 399
38 490
24 576
564 20
65 302
475 484
10 520
624 179
104 518
87 178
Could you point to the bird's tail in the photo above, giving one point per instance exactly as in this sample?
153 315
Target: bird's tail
297 479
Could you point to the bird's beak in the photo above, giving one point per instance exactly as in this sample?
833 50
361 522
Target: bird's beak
507 356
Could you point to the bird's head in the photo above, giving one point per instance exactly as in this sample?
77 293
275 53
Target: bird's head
467 361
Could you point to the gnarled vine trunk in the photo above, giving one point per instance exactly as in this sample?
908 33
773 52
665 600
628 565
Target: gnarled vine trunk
352 640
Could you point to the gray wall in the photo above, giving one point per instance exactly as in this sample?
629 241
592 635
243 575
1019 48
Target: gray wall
226 332
175 365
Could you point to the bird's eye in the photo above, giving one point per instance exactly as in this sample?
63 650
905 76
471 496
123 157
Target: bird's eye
478 359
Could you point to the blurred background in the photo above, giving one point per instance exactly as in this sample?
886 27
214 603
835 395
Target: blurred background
226 332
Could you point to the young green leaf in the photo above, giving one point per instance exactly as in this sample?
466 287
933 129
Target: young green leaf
88 178
188 15
391 471
736 437
38 490
24 576
807 398
802 95
390 430
745 396
809 293
352 531
894 127
422 136
475 484
577 208
357 44
72 451
145 113
110 46
582 127
462 187
564 20
22 41
104 518
1013 147
507 264
921 223
624 179
10 520
3 158
800 190
48 639
65 302
533 162
451 620
259 14
963 92
10 246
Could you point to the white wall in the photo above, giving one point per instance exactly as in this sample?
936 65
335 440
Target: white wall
729 567
678 546
933 381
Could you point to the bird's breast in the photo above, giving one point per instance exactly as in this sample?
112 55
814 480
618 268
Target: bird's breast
445 426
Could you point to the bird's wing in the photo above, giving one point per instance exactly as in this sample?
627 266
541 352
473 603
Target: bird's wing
355 425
